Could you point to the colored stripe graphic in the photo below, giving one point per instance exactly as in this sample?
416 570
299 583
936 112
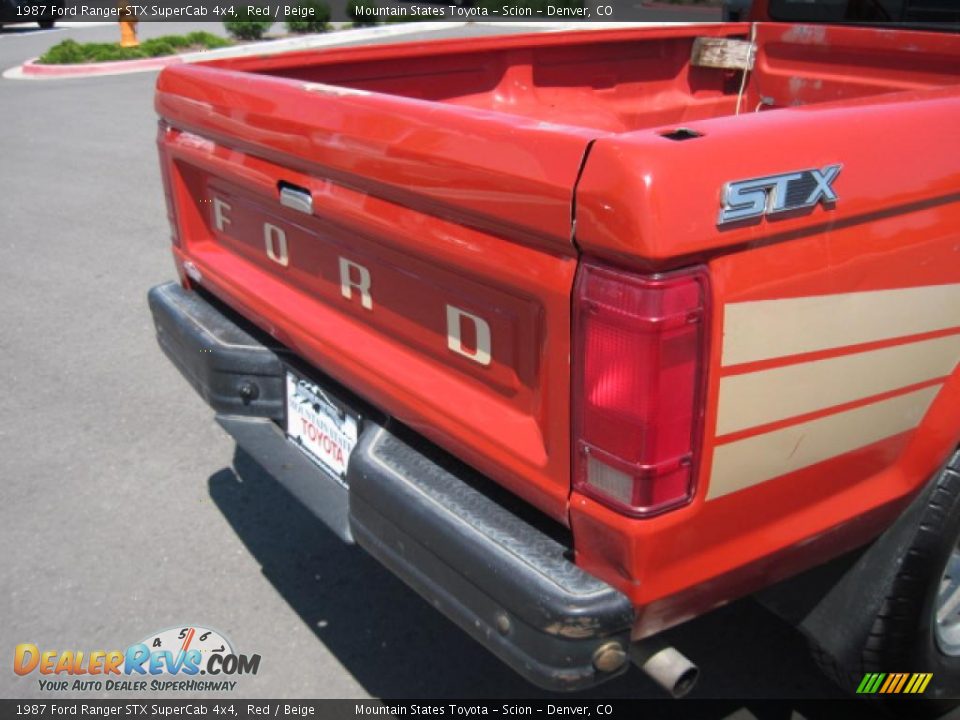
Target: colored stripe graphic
808 379
755 459
892 678
766 329
894 683
767 396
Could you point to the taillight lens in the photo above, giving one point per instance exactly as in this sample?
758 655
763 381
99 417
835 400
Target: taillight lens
639 345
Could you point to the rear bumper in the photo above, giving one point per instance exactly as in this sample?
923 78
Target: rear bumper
439 526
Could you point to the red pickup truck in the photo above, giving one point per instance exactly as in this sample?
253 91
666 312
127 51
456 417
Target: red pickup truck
584 334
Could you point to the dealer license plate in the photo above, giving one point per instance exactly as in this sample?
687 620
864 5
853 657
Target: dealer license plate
319 426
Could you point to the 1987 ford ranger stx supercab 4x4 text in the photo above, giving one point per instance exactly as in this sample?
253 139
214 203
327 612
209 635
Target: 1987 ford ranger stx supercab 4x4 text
583 334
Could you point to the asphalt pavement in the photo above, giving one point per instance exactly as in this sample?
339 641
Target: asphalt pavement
126 510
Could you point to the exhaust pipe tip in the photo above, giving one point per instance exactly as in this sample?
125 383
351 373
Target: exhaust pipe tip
668 668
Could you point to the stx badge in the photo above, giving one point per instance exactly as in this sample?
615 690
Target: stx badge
745 199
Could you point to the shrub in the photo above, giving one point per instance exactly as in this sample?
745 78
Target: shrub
355 12
247 26
67 52
70 52
202 38
316 21
177 41
157 48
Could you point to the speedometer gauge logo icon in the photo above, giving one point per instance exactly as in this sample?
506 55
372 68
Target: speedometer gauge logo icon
184 639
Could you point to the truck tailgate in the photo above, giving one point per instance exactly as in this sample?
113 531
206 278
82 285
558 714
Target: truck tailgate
432 275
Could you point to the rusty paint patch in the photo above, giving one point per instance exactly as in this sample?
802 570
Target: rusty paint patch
806 35
576 628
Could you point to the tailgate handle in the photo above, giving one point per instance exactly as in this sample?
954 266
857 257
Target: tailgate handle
295 197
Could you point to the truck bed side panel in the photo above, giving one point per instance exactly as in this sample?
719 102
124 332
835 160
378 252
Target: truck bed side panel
833 389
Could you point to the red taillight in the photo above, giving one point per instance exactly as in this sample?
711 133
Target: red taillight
638 368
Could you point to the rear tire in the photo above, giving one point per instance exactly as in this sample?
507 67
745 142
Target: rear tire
905 634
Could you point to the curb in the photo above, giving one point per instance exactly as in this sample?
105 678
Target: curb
31 70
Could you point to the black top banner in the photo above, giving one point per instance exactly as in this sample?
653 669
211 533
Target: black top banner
560 709
361 11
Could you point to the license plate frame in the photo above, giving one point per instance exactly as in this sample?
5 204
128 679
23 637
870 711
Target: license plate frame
320 425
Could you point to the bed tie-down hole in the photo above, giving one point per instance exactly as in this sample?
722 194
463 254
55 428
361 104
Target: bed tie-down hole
682 133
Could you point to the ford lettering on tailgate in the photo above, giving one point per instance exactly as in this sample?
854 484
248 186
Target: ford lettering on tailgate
473 335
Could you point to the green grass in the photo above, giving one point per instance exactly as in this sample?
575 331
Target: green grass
70 52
